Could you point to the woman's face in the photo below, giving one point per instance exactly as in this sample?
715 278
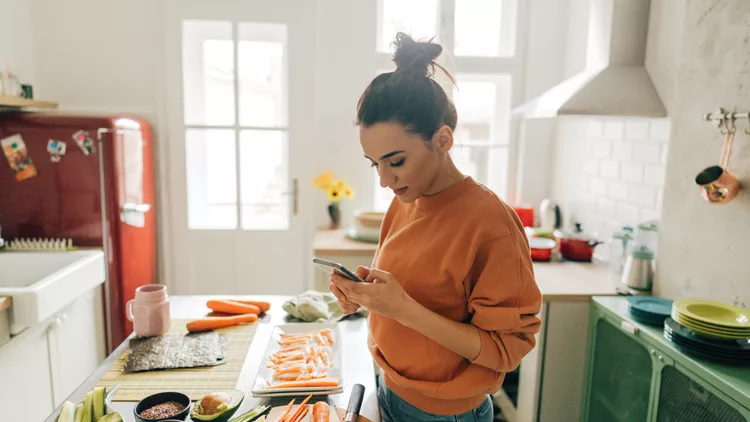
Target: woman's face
405 162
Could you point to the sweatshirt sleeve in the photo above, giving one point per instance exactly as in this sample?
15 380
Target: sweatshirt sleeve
504 301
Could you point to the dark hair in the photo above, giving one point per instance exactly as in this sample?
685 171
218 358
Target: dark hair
409 95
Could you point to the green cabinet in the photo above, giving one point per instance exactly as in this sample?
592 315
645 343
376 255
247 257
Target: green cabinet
635 375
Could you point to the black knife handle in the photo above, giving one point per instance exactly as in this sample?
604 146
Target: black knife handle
355 403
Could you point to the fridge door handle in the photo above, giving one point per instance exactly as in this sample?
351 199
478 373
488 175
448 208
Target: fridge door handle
133 207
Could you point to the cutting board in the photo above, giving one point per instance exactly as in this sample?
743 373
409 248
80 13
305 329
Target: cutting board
277 411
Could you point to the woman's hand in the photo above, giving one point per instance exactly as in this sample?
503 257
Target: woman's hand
347 306
381 294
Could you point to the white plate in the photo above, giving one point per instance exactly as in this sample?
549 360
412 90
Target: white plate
265 375
271 395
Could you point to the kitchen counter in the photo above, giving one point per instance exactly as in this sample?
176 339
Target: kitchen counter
558 281
335 242
356 362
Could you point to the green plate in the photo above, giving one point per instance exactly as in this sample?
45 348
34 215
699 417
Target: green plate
714 313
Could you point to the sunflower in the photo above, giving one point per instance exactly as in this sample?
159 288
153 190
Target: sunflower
334 194
348 192
340 185
324 181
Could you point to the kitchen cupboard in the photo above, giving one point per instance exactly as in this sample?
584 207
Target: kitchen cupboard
45 363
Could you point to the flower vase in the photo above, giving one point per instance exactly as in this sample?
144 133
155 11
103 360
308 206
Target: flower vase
334 212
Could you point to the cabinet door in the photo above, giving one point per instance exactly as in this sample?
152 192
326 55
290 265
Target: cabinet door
682 399
78 343
620 378
25 384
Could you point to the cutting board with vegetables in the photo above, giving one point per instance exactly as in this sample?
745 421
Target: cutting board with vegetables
276 412
195 382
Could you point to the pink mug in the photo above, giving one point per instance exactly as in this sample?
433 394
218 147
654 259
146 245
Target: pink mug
149 311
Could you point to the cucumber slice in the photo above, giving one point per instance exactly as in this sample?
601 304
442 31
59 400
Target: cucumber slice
99 407
112 417
67 412
79 412
88 408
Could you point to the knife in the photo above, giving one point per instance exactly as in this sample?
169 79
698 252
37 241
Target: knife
355 403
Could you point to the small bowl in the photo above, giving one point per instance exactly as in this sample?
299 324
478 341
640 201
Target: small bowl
369 219
157 398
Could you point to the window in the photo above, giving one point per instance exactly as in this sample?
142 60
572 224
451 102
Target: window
236 147
480 41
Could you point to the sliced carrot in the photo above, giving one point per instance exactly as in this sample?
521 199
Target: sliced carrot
302 414
230 307
287 409
301 408
206 324
322 382
263 306
321 412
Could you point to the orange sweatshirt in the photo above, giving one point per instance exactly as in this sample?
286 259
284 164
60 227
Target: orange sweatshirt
461 253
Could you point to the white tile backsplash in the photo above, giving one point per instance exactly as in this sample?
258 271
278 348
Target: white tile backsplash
613 129
632 172
610 169
598 186
618 190
637 129
602 149
645 196
624 162
647 153
622 150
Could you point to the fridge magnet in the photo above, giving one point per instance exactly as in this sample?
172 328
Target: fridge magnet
84 141
18 157
56 150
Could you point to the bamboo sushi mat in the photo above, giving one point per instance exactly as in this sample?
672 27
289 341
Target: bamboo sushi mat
195 382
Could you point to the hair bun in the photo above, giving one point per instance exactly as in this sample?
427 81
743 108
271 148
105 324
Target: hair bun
415 57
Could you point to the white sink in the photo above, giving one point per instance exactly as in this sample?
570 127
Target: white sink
43 283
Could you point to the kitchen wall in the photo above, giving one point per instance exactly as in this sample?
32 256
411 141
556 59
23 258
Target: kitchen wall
609 172
703 249
16 40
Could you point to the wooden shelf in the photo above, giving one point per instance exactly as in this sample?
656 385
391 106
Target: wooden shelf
18 102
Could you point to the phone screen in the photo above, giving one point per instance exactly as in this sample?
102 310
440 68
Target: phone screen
339 269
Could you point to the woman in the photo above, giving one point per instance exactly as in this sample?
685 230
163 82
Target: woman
451 293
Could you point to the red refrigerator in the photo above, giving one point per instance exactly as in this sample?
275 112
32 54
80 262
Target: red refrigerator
89 178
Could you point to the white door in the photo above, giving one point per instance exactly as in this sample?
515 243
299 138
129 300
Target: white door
239 95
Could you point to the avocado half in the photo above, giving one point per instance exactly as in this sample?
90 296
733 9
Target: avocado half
217 407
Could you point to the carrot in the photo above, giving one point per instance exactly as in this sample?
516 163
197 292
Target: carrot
321 382
321 412
302 414
205 324
230 307
218 314
263 306
287 409
300 409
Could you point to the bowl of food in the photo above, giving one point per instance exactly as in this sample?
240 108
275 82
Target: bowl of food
164 406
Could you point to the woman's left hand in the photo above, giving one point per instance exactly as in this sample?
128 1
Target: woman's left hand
381 294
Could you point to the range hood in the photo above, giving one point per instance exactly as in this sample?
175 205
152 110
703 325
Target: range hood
615 81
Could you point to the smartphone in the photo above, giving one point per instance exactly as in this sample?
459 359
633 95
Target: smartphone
339 269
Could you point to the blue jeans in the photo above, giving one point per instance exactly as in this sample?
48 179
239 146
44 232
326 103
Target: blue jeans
395 409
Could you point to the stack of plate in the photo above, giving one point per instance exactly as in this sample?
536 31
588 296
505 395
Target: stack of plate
711 330
687 341
649 310
712 319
